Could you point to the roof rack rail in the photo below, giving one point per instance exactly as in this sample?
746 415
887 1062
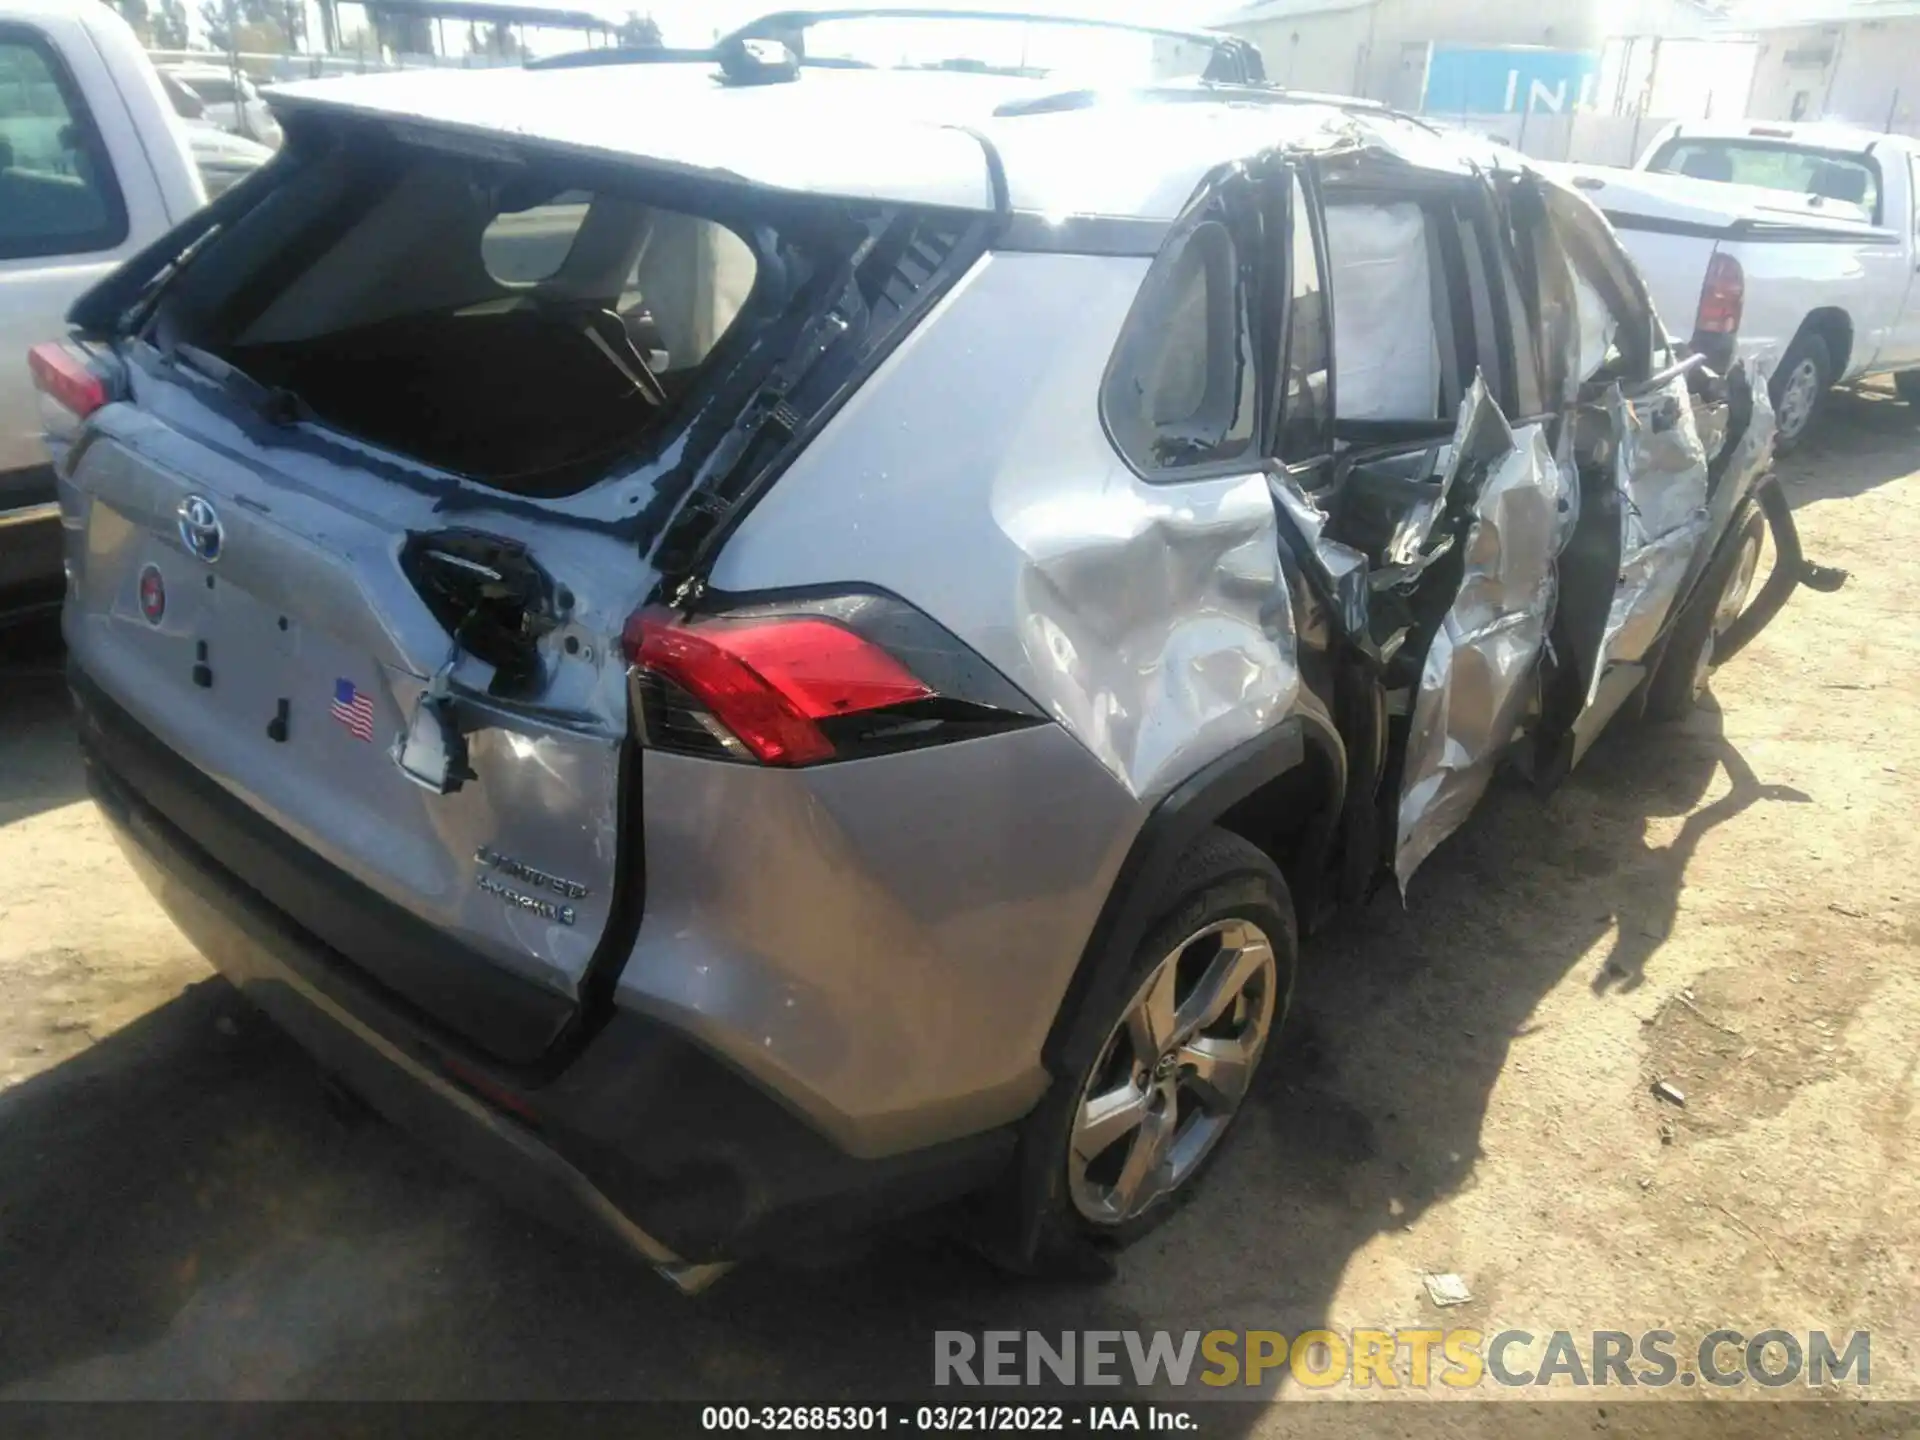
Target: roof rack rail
1201 91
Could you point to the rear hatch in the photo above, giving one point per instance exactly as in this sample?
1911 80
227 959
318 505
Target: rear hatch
394 436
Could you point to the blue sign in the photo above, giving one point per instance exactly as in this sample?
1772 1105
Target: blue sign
1512 81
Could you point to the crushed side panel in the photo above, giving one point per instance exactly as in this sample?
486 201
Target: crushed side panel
1475 680
1660 472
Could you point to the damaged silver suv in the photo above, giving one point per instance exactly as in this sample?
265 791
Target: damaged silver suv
754 675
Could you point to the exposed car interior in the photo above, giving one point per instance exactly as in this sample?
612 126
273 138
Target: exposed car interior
501 324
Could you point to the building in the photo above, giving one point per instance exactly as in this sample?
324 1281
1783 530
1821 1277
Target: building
1856 61
1455 57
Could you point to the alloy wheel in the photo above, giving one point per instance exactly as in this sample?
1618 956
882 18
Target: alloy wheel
1797 399
1173 1071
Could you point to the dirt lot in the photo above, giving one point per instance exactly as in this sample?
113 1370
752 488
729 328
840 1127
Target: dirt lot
1731 906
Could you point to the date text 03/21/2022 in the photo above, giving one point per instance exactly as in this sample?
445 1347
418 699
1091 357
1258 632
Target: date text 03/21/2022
939 1419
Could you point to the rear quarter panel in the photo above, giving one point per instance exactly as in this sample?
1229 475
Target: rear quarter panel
886 942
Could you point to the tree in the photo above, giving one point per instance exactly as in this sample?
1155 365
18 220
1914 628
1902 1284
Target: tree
638 32
170 25
255 25
134 12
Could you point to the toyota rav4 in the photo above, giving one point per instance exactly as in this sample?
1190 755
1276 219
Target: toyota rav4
754 674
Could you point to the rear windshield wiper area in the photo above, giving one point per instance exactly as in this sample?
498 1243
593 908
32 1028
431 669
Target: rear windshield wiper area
846 326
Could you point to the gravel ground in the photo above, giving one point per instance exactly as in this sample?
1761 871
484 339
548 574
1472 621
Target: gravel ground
1730 905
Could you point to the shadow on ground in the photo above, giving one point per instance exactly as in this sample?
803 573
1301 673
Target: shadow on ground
182 1213
39 767
1861 440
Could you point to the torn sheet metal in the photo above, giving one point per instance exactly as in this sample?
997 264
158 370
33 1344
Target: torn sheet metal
1660 473
1480 436
1386 354
1475 682
1343 569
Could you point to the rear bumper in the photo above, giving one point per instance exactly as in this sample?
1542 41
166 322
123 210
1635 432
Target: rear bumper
643 1138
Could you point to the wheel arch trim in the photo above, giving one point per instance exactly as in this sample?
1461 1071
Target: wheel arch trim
1170 830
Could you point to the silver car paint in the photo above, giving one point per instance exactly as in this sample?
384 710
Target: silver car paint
314 540
884 943
1151 620
1475 681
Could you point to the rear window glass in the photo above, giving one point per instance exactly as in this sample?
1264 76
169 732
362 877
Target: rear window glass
508 322
1827 175
1181 391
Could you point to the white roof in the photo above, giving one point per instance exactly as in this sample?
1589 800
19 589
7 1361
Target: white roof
1815 134
1661 196
1236 16
901 136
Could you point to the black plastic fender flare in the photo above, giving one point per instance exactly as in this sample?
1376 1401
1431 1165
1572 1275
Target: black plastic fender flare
1791 569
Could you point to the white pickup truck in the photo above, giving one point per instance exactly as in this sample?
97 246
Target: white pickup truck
1802 241
94 166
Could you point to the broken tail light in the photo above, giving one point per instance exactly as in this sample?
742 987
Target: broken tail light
1723 296
838 679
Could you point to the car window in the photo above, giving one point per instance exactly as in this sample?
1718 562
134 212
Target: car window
213 89
1830 175
1307 414
1617 328
57 192
1182 388
185 103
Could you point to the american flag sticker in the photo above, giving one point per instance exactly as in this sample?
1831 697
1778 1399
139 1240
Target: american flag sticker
353 708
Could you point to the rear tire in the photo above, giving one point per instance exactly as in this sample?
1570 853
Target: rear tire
1685 667
1799 388
1163 1057
1907 386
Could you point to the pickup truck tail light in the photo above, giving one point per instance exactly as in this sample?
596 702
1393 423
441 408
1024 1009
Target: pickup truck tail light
809 683
1723 295
61 373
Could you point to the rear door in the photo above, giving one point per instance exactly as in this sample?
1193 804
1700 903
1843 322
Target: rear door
1437 524
1641 432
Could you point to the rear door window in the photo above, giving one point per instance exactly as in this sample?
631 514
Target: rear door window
1419 308
57 191
1392 361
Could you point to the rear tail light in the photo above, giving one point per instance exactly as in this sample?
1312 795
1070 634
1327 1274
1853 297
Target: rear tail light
61 373
1723 295
802 688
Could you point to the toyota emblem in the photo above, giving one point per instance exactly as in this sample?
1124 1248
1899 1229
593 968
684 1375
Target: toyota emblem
200 529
